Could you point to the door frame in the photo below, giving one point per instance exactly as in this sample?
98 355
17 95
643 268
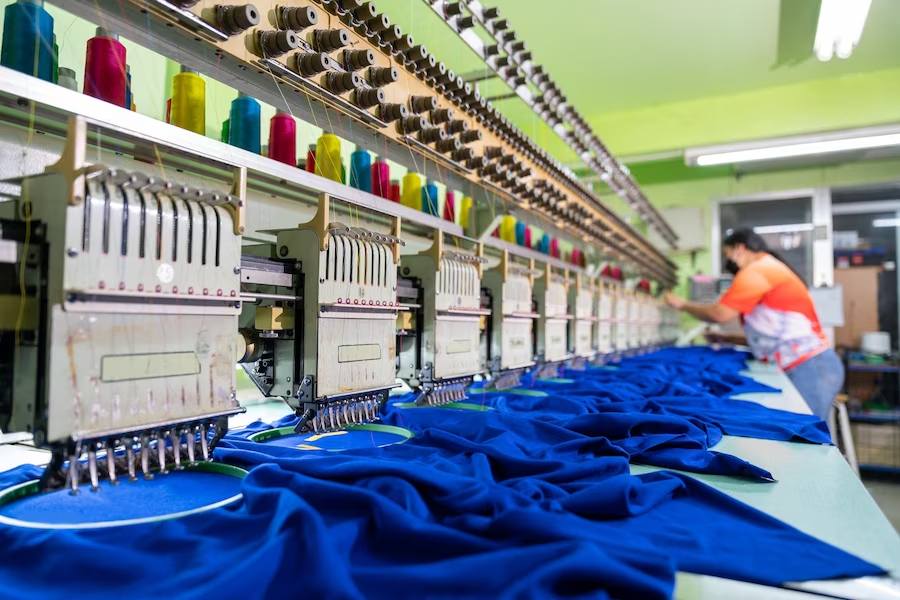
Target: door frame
876 206
822 247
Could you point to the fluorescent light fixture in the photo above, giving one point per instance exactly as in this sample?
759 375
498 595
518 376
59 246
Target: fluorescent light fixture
841 24
886 223
874 141
808 145
792 228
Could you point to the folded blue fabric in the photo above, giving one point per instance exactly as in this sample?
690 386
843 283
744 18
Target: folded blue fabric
730 417
661 440
695 382
508 503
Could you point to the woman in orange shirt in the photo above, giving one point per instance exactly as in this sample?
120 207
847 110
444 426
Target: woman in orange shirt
778 317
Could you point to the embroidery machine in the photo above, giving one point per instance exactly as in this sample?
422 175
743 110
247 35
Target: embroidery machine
141 262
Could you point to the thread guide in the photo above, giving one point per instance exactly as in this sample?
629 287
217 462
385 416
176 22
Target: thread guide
617 234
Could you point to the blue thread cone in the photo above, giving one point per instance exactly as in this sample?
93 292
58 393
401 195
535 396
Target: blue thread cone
430 199
244 124
520 234
28 40
361 170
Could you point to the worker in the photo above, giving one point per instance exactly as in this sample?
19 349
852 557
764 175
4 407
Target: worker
778 316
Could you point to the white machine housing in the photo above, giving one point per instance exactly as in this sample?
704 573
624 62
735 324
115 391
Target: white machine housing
582 295
606 317
622 311
142 299
451 325
552 294
350 306
510 286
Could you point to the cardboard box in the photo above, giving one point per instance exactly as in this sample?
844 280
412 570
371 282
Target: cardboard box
860 304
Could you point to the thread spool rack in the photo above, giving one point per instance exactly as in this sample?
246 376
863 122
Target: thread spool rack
193 41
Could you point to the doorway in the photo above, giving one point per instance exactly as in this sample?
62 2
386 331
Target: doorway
796 224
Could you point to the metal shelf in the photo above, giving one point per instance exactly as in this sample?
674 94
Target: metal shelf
137 135
873 368
26 101
874 419
880 469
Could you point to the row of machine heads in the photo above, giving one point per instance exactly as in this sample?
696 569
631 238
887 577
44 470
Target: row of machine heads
349 56
136 297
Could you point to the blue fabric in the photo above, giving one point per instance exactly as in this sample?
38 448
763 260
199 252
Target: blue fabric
729 417
344 440
658 440
698 383
819 379
164 495
495 504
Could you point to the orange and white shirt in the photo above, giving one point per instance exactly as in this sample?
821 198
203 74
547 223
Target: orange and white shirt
777 312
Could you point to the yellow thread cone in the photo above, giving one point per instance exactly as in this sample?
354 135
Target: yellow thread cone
328 157
464 208
411 195
189 102
508 229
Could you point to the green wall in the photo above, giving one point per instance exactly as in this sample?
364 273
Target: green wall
820 105
704 192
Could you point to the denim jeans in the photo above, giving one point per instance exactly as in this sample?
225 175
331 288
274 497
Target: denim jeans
819 380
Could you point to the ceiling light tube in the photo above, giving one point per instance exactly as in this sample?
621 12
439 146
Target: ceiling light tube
792 228
840 27
858 139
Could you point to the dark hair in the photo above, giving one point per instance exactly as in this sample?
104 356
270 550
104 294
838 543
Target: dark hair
754 243
747 238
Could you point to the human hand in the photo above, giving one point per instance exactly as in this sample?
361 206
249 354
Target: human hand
675 301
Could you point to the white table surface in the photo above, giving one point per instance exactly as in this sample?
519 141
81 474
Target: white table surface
816 492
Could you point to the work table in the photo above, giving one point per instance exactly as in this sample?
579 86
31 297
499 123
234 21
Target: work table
816 492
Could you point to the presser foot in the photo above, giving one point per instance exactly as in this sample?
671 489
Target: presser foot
444 392
83 464
547 371
579 363
335 415
505 380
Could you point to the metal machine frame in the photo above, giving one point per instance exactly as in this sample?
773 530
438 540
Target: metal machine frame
150 260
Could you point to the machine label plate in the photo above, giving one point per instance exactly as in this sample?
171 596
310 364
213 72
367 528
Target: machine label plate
128 367
459 346
359 352
459 354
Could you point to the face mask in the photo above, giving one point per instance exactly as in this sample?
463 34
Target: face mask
732 267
